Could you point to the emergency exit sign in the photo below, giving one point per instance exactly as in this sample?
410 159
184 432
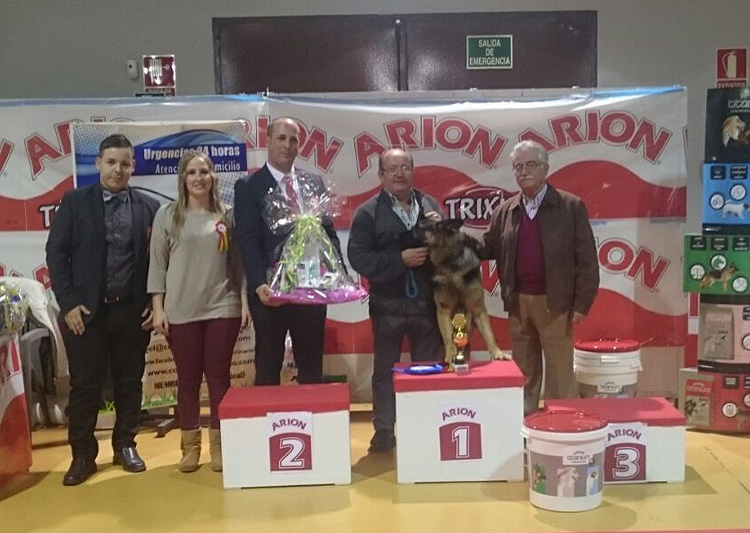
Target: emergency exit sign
489 51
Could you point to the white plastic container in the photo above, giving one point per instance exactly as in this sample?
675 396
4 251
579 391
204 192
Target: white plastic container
565 459
607 368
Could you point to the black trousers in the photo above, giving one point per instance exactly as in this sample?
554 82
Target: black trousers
305 324
114 340
389 331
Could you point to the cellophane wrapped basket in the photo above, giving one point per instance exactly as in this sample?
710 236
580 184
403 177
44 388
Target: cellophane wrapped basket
309 269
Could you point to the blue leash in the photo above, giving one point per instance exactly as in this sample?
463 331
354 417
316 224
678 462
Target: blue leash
412 289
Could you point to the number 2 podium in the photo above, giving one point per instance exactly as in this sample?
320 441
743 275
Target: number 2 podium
286 435
460 427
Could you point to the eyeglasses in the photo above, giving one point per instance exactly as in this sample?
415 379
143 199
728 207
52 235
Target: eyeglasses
528 165
402 168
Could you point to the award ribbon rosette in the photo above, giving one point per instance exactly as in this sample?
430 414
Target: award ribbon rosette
308 269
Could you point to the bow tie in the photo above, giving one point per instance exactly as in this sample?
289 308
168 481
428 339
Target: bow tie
122 196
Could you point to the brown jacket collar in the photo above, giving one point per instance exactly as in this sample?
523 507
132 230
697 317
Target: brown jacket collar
552 197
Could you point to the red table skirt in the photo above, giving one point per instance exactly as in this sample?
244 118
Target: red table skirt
15 437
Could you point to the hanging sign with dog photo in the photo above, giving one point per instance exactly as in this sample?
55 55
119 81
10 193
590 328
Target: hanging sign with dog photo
728 125
717 264
725 194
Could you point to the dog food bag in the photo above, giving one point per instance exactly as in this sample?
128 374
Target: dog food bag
728 125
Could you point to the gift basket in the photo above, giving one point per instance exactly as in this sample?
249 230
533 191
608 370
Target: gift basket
308 269
13 308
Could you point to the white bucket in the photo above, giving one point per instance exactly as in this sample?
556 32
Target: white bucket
565 456
607 368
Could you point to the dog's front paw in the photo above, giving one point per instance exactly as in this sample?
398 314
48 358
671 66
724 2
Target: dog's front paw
499 355
450 352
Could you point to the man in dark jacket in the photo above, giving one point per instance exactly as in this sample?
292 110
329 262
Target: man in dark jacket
548 270
260 248
383 249
97 255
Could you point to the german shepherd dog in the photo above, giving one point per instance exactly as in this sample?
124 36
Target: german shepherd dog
723 275
457 282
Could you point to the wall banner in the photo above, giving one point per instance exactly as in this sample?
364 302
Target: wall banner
622 151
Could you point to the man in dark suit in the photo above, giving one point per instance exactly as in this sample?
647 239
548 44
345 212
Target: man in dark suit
98 265
260 249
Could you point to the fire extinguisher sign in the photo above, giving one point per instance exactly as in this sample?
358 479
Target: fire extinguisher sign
731 67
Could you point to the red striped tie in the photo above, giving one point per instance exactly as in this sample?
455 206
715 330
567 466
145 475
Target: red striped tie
291 196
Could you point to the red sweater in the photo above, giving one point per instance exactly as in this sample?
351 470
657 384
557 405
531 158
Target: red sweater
530 256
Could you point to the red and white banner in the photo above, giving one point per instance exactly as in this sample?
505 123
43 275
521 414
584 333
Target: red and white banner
622 151
15 438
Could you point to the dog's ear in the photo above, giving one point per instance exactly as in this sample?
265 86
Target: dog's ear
425 224
454 223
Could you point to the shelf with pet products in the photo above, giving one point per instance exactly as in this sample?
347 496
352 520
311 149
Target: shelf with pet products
716 394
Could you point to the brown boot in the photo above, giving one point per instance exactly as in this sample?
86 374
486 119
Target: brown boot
190 443
214 438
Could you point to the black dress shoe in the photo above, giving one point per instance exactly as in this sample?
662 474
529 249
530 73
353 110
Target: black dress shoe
384 440
129 459
80 470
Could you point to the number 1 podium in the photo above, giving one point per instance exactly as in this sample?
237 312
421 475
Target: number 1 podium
460 427
286 435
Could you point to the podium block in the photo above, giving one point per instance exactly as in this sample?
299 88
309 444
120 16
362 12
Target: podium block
289 435
645 438
460 427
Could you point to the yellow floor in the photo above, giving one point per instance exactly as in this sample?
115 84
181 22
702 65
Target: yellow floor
715 495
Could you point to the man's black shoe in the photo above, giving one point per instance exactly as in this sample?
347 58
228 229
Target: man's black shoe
80 470
383 441
129 459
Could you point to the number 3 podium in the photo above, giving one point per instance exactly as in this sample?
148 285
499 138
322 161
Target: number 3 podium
460 427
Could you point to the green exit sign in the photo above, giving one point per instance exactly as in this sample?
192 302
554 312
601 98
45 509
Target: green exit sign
489 51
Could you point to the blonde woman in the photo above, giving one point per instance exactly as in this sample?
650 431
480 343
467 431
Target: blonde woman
196 284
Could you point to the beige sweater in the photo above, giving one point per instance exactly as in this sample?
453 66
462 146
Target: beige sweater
199 282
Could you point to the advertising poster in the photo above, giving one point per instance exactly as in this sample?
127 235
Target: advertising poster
621 151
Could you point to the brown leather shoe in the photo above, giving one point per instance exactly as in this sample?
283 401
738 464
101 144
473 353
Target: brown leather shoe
129 459
80 470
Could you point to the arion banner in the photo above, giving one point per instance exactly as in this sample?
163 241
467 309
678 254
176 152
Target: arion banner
622 151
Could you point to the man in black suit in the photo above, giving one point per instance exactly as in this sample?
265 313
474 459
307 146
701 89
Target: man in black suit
305 323
98 264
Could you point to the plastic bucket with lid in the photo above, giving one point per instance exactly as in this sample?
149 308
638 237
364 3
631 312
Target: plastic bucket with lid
565 459
607 368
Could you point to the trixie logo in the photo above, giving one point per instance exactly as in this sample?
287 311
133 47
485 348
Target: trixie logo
475 206
448 134
312 142
618 128
621 257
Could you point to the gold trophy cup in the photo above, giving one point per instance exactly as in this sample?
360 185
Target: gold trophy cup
460 365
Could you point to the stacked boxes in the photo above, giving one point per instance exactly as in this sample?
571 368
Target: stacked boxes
716 395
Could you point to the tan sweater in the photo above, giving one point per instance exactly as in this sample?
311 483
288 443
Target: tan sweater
199 281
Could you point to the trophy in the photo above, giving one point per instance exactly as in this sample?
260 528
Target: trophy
460 364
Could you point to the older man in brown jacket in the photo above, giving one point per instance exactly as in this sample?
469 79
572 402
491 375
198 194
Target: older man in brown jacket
546 261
